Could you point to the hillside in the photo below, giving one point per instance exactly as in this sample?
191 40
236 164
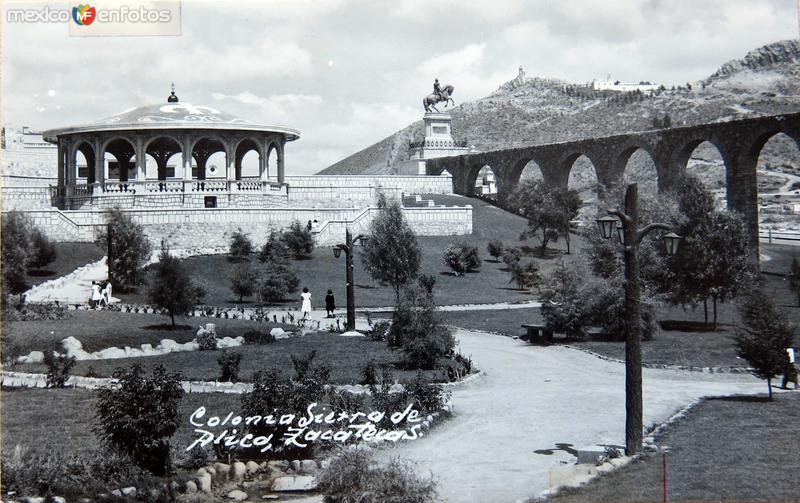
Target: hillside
527 111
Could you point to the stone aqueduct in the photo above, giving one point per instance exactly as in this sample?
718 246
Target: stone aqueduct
739 142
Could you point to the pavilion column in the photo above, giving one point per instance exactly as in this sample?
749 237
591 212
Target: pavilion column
71 168
280 161
230 164
263 171
141 160
62 174
186 154
100 166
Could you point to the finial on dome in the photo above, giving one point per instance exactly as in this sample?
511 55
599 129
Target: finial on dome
172 98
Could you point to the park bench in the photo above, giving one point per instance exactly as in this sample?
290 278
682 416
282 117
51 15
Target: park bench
537 333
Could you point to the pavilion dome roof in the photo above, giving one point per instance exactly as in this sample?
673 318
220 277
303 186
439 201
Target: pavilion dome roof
171 115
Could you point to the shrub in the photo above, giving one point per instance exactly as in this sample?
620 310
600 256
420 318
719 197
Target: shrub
229 366
206 340
258 337
16 246
465 361
420 331
427 282
428 397
298 240
243 282
379 331
345 401
511 256
58 368
277 283
353 476
45 311
369 375
525 276
461 258
140 415
170 287
44 250
387 402
130 249
495 249
240 246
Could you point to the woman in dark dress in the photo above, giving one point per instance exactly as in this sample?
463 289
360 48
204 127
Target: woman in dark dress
330 305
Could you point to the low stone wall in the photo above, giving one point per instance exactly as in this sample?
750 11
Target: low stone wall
408 184
191 228
180 200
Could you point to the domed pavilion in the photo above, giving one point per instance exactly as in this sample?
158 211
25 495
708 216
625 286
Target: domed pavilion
160 132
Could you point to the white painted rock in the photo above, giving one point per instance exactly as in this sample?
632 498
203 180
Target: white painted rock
351 333
278 333
205 480
191 487
308 466
294 483
237 495
168 345
228 342
222 470
32 357
111 353
239 470
252 467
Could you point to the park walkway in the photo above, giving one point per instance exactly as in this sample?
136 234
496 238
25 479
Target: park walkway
532 398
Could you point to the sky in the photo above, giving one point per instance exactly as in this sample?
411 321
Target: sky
348 73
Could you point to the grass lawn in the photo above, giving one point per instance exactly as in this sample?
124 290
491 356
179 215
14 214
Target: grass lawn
70 257
725 449
44 421
322 271
97 330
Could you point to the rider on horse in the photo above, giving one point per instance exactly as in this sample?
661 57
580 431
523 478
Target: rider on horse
437 90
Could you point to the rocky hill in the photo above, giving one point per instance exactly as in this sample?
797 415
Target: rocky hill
526 111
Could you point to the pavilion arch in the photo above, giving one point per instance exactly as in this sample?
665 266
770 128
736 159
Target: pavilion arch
86 150
205 149
243 148
277 147
162 148
124 153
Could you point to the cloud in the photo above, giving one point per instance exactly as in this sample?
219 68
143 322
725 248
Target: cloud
273 105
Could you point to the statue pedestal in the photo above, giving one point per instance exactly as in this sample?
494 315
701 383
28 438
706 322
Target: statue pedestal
438 141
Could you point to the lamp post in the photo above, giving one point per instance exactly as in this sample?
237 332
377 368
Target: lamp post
631 237
347 247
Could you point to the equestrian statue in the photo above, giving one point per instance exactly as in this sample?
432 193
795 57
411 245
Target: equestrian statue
440 93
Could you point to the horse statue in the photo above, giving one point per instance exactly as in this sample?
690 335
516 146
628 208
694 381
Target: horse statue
432 99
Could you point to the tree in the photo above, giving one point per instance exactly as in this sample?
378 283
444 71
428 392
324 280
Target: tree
16 245
461 258
44 250
495 249
170 286
298 240
525 276
548 209
274 249
240 246
420 330
391 252
140 414
243 282
511 256
794 279
130 249
278 281
763 337
561 310
713 261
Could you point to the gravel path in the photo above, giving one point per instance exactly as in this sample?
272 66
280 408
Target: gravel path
532 398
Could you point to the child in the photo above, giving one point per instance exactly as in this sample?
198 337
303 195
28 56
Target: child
306 307
330 304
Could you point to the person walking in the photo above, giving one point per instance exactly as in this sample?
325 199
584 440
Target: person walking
791 371
330 304
305 308
97 295
107 293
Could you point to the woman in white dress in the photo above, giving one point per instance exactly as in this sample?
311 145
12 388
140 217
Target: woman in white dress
97 295
306 307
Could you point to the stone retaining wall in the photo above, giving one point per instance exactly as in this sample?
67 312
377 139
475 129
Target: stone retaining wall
190 228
